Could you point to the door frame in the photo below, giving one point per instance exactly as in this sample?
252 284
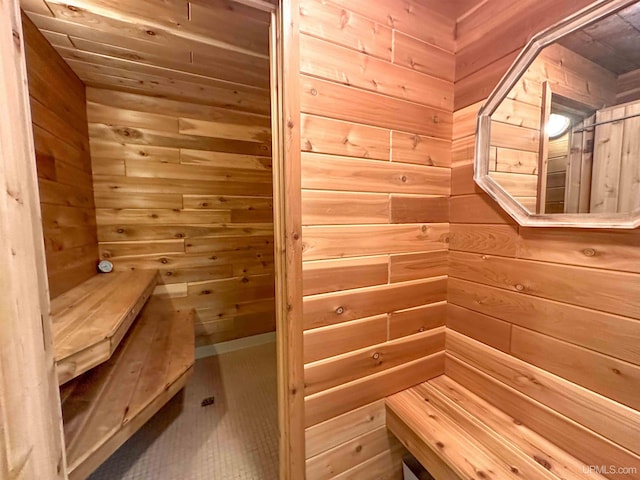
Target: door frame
285 120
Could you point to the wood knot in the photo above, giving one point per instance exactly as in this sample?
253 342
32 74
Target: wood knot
150 33
589 252
340 310
520 287
616 371
440 445
403 178
314 92
514 469
296 236
542 461
120 230
164 261
245 280
205 292
375 356
358 448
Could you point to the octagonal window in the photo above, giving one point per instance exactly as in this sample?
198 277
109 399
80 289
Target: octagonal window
559 138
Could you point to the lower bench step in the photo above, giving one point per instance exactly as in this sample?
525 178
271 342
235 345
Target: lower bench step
457 435
107 405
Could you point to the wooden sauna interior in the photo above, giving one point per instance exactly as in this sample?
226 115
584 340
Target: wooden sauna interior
413 313
153 151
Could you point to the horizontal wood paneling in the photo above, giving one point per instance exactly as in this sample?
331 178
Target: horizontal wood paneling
597 412
351 453
417 319
326 135
552 318
344 337
542 323
483 328
417 19
332 62
321 242
331 372
166 50
608 376
488 40
414 266
413 209
484 238
618 292
344 274
192 199
336 401
61 141
376 99
333 208
338 307
320 97
318 173
354 31
420 149
325 435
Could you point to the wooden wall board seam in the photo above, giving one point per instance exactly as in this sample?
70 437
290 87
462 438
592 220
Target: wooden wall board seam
361 89
537 417
624 278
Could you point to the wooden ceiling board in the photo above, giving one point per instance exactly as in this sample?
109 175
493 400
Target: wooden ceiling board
212 72
612 42
212 52
217 63
236 7
598 52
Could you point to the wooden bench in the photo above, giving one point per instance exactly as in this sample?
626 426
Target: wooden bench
90 320
457 435
108 404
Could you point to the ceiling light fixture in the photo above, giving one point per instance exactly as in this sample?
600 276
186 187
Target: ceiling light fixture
557 125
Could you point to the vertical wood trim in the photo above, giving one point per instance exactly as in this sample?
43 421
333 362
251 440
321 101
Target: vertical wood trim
543 153
31 443
288 240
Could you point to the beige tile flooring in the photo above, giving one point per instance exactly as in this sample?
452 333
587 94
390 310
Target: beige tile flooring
235 438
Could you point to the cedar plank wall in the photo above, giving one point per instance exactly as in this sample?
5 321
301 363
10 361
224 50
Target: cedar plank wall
64 166
536 314
376 152
187 189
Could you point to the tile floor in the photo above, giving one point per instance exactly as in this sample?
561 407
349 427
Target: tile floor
235 438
